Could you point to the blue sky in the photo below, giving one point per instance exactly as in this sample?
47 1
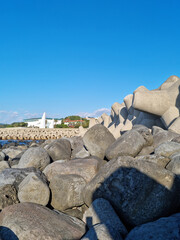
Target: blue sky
80 56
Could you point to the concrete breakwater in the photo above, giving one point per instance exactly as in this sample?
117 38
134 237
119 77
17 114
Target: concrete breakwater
36 133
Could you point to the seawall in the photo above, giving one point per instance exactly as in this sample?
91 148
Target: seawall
37 133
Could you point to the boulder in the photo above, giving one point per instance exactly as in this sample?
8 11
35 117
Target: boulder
34 189
101 211
8 195
15 175
2 156
78 149
139 191
157 159
97 139
12 152
174 164
59 150
34 157
166 149
160 136
87 168
164 228
36 222
129 144
3 165
102 232
66 191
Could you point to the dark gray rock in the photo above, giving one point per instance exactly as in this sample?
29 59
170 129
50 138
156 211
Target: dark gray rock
129 144
59 150
139 191
97 139
164 228
34 157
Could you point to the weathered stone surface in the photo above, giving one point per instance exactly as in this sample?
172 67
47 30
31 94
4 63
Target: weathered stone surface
59 150
15 175
34 189
74 213
163 228
159 160
101 211
102 232
67 191
78 149
12 152
87 168
130 144
3 165
2 156
8 195
174 164
160 136
97 139
35 222
139 191
34 157
167 149
145 133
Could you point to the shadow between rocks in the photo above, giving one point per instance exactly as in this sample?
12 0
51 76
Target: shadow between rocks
7 234
136 197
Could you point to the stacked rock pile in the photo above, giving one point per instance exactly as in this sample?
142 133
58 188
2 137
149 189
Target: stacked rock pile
93 187
159 107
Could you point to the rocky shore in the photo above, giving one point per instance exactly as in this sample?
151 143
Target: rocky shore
120 180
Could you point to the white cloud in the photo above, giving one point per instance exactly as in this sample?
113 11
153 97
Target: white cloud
14 116
96 113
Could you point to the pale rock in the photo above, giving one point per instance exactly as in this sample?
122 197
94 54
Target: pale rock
34 189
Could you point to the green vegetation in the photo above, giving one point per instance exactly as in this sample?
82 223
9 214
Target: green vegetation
84 124
15 124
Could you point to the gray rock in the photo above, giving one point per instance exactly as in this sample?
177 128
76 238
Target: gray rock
34 157
166 149
159 160
8 195
145 133
139 191
36 222
15 175
174 164
12 152
34 189
97 139
85 167
3 165
78 149
102 232
74 213
59 150
67 191
2 156
129 144
163 228
160 136
101 211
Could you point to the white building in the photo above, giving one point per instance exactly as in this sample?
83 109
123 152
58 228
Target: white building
43 122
